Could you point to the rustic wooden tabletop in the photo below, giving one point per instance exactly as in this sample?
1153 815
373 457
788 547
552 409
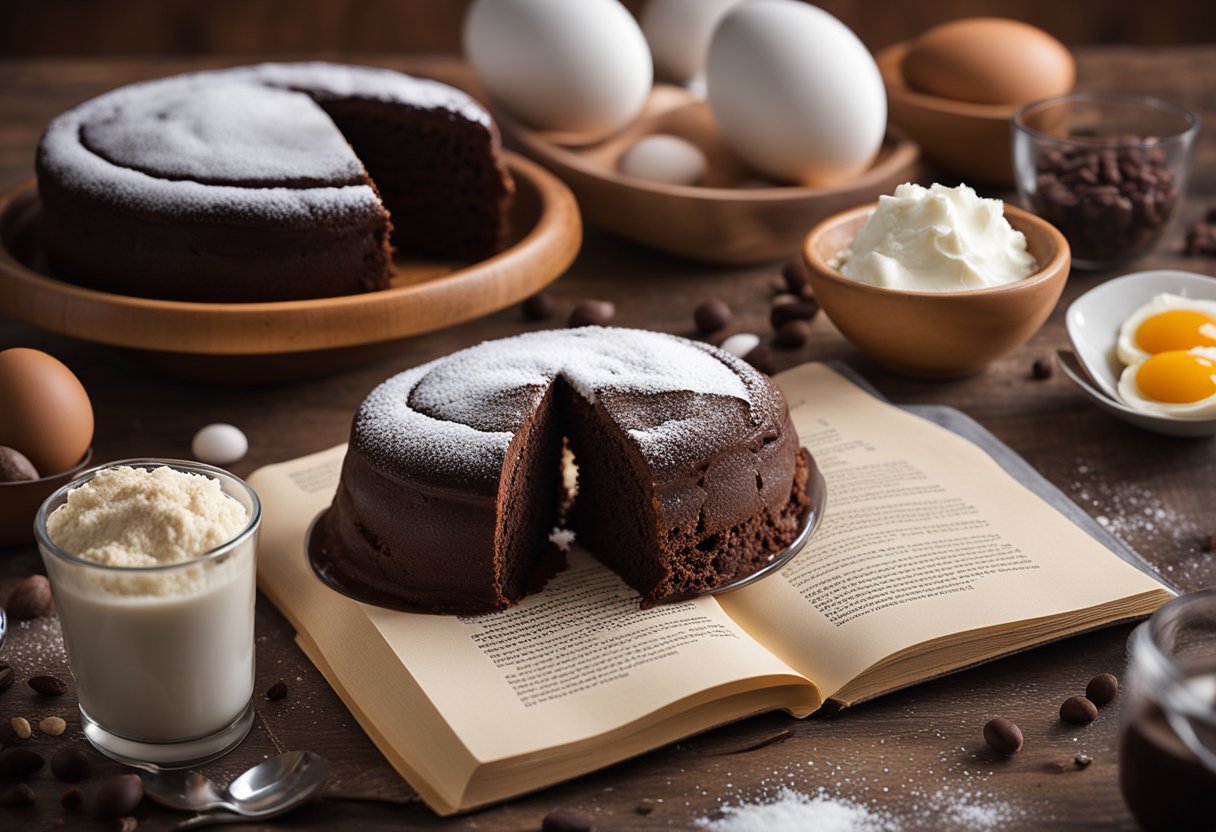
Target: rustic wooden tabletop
917 756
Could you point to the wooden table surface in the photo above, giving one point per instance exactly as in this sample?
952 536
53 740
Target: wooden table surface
916 755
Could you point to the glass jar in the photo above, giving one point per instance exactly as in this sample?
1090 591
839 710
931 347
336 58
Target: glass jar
1167 741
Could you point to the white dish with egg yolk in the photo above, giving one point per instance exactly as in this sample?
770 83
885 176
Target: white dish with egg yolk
1130 310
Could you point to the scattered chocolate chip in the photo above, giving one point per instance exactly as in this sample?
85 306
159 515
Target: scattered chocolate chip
761 357
71 764
795 275
793 334
49 685
1003 736
71 799
803 310
592 313
15 466
16 761
712 316
1102 689
277 691
1201 239
31 599
564 820
127 824
644 807
52 725
539 307
21 727
1078 710
1042 369
1111 202
6 676
1082 760
18 795
116 796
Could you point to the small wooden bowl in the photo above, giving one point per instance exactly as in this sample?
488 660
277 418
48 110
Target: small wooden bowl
972 140
19 502
937 335
731 217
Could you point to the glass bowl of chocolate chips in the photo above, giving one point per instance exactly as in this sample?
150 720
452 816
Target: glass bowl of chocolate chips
1108 170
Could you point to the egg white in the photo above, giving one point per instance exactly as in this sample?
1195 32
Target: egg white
1135 398
1127 349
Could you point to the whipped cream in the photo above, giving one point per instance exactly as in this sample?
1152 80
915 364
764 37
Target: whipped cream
937 239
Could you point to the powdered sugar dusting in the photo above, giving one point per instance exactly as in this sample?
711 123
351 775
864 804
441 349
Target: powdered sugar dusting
457 415
273 102
795 810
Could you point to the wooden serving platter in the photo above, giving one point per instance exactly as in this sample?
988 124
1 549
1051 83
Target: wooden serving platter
731 218
285 340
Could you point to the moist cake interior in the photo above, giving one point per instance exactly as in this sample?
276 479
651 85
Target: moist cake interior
442 195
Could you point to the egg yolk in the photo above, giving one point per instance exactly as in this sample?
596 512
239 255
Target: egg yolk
1176 329
1177 377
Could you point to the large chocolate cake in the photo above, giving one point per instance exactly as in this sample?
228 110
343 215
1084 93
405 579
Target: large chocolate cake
690 473
268 182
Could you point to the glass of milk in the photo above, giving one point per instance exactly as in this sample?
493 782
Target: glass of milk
153 572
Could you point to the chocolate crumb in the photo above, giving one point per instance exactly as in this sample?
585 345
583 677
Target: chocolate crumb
277 691
71 799
645 807
1042 369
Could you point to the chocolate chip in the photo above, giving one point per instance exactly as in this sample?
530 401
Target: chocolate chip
1041 370
15 466
6 676
31 599
116 796
711 316
1003 736
1102 689
564 820
71 764
18 762
49 685
1078 710
803 310
539 307
1082 760
761 357
795 275
71 799
592 313
18 795
793 334
277 691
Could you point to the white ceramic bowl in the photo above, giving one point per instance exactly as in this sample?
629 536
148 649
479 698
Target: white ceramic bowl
1093 323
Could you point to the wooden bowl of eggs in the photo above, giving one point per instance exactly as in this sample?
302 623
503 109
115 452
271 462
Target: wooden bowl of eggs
936 334
955 88
46 427
792 126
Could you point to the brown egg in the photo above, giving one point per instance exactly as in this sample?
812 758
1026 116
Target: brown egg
989 60
44 410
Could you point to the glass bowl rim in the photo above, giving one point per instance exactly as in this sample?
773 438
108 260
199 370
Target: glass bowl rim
1152 102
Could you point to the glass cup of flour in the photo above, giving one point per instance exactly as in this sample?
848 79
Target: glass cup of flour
152 565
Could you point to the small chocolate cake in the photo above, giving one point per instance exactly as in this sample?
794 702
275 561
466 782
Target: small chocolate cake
690 474
268 182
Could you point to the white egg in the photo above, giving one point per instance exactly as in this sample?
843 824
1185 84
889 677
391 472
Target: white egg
560 64
741 344
679 32
1180 384
1157 326
219 444
664 158
795 93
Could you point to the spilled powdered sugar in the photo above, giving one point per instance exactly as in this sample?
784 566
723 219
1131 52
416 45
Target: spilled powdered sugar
794 810
233 125
458 414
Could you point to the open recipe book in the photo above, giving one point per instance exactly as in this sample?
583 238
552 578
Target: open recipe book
931 557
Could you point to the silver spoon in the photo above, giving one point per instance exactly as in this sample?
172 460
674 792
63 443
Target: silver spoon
269 789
